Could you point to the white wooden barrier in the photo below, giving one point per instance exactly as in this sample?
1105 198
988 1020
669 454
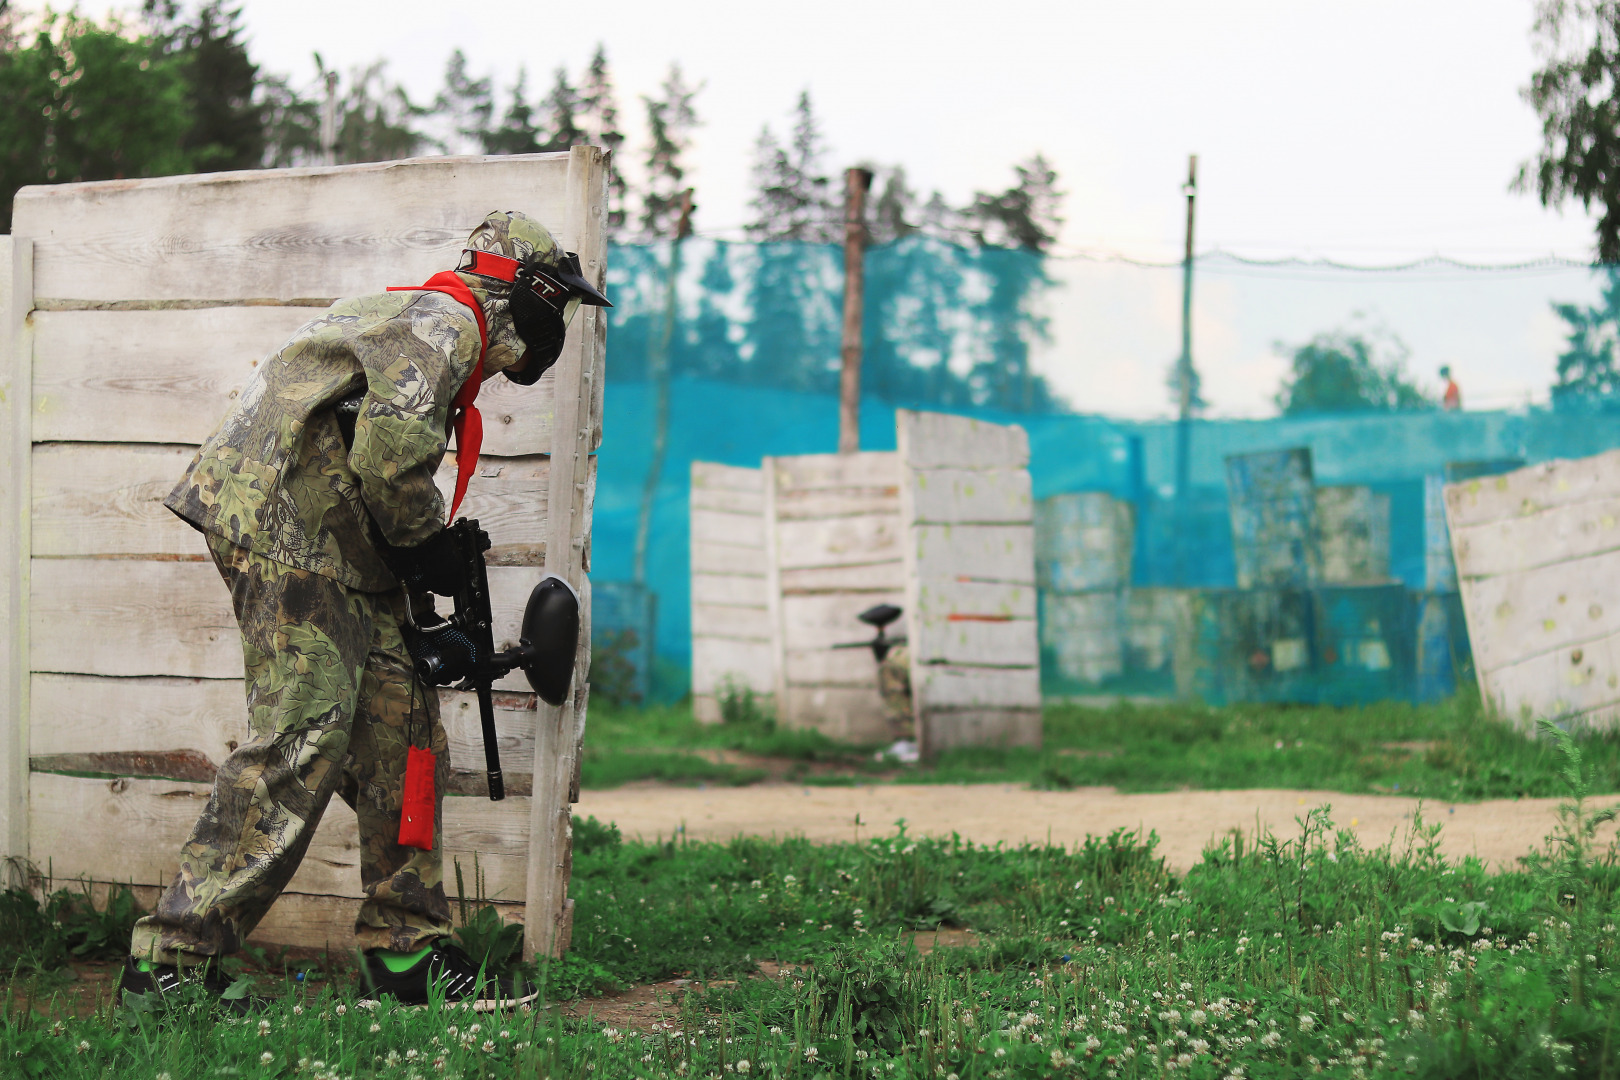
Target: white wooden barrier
1538 562
832 538
969 552
133 310
731 631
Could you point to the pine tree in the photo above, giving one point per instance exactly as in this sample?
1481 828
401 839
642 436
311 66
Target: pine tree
1023 216
227 116
892 213
376 118
562 107
791 199
467 105
516 133
600 111
670 120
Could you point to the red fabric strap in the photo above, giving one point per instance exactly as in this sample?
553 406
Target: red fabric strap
489 264
465 419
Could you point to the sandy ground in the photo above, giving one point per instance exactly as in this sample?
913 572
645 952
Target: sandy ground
1497 832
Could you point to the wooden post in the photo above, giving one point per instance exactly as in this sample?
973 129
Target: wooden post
856 181
16 411
549 916
1184 382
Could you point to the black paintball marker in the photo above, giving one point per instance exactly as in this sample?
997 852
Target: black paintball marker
879 616
460 650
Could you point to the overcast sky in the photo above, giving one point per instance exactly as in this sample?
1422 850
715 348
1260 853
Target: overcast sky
1367 132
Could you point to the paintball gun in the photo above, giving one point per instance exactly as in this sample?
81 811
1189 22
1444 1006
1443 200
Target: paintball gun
879 616
459 650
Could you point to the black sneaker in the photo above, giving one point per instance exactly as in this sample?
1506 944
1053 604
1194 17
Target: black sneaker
165 979
452 975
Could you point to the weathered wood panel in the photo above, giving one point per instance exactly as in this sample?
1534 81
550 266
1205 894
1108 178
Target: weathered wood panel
879 577
208 718
142 824
806 472
822 620
169 376
731 627
820 504
971 496
844 713
1004 553
16 345
944 441
1539 574
851 540
1541 536
282 233
969 554
1527 612
1530 490
830 667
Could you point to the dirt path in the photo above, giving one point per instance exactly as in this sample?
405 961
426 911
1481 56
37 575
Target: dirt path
1498 831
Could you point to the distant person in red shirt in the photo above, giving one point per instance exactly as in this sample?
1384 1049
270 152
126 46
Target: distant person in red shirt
1452 401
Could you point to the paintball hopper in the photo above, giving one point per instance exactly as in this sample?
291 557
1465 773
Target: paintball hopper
550 637
879 616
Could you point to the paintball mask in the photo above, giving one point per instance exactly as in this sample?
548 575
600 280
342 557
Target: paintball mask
547 289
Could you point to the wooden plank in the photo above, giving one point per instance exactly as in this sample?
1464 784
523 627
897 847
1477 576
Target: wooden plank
279 233
864 470
16 347
716 660
886 576
943 441
1004 553
731 621
815 504
725 528
831 667
170 377
139 617
941 599
973 640
952 686
144 822
515 720
1530 490
107 499
982 496
846 714
70 714
1515 616
747 503
710 558
949 729
734 589
842 541
1539 537
560 731
822 621
709 476
1575 681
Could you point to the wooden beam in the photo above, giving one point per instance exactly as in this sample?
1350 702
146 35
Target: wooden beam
16 398
856 181
579 372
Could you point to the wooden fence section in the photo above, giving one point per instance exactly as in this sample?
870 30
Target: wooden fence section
141 312
832 537
1538 563
969 556
731 630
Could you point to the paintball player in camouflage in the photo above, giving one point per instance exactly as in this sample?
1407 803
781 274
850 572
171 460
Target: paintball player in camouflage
317 500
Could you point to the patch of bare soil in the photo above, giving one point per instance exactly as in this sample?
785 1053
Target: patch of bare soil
1498 831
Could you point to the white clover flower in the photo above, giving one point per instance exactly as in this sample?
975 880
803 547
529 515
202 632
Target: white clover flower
84 1045
298 1010
264 1029
811 1053
341 1009
1001 1051
266 1058
1270 1038
1307 1022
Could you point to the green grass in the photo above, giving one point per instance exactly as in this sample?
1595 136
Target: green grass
1274 957
1451 750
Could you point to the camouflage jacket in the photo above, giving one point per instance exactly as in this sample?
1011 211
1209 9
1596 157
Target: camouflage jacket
276 477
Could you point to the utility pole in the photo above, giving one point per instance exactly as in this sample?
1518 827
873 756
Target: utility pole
1184 384
329 127
856 183
658 375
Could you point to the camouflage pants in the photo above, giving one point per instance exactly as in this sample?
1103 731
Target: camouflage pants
332 709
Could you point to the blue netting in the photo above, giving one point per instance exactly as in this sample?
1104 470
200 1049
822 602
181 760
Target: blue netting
752 367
